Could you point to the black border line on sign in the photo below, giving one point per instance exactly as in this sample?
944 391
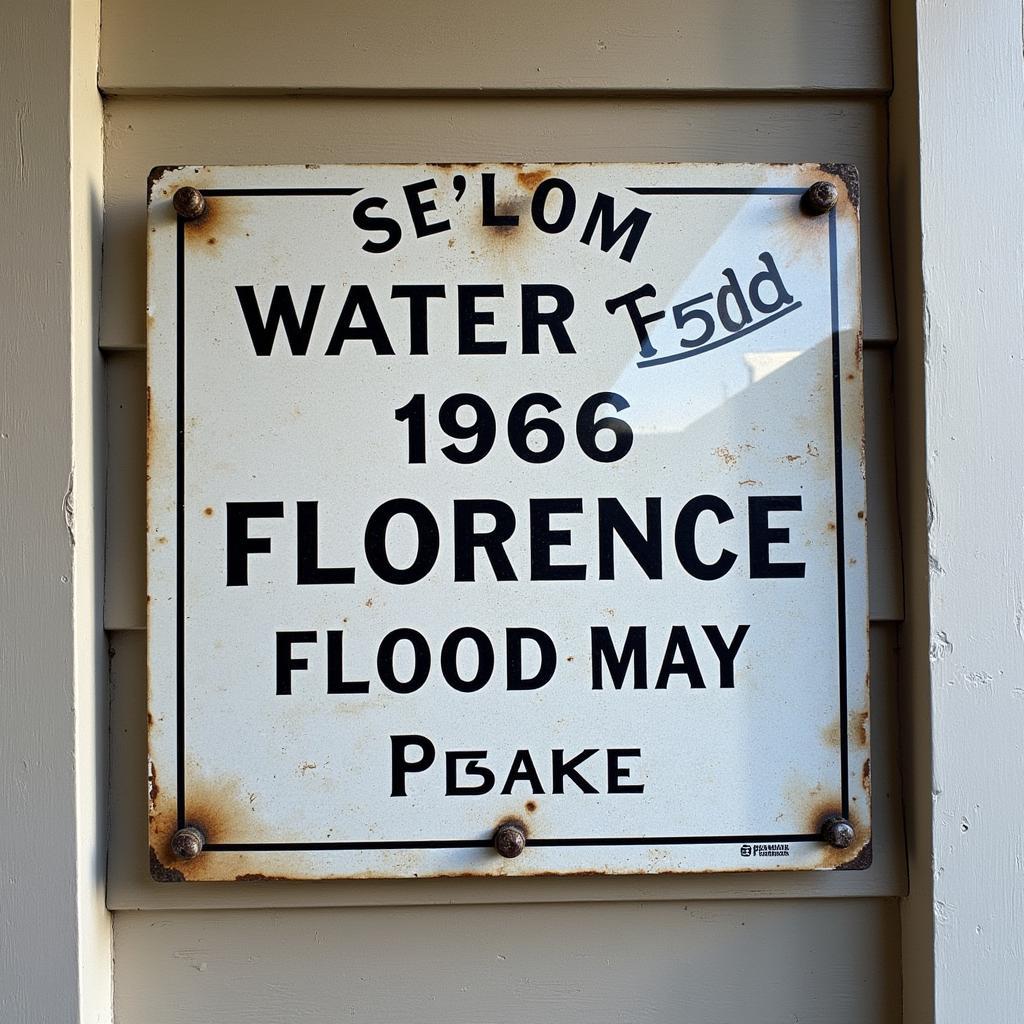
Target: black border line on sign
454 844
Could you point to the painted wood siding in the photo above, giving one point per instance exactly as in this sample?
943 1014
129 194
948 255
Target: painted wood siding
732 80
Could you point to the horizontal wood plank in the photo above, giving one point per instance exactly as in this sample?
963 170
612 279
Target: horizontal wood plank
703 46
770 961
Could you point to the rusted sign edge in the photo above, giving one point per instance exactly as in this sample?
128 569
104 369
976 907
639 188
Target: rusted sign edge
209 813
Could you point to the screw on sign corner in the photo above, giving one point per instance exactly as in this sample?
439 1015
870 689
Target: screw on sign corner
510 839
837 832
187 843
189 203
819 198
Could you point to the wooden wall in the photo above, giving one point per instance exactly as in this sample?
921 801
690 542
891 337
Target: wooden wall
318 82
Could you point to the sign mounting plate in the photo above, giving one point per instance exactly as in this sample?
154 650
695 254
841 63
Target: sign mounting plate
488 496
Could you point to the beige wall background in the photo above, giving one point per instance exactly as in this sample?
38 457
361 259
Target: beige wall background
323 82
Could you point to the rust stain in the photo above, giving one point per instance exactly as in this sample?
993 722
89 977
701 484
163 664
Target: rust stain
865 776
591 873
215 808
858 352
848 175
200 228
831 527
160 872
256 876
860 728
208 511
860 513
506 819
860 862
725 455
222 813
814 807
220 218
818 812
832 735
531 806
531 179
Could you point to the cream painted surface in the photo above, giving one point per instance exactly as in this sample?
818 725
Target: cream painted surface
708 962
973 384
55 934
703 46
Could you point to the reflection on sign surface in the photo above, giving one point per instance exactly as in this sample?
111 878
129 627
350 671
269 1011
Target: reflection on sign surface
503 495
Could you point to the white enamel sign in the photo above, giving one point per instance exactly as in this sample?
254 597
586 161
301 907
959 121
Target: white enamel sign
507 495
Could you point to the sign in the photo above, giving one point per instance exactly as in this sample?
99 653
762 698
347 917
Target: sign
515 501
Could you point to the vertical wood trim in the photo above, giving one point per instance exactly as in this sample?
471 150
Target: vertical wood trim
55 961
963 482
91 669
439 47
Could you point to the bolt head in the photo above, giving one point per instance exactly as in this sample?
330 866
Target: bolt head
510 839
819 198
837 832
189 202
187 843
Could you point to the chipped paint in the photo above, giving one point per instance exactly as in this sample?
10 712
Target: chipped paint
848 177
532 178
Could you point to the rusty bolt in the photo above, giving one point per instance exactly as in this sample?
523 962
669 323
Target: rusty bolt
510 839
189 202
837 832
819 198
187 843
